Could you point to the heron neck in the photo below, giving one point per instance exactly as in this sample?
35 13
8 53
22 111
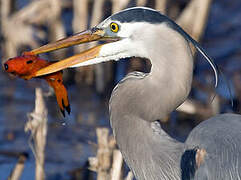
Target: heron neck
147 149
139 100
169 81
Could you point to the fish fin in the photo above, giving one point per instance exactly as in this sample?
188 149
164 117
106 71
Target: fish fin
63 112
56 82
67 107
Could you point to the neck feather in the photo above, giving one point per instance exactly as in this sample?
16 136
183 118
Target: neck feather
139 100
147 149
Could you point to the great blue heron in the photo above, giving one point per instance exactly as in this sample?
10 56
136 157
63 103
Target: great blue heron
211 151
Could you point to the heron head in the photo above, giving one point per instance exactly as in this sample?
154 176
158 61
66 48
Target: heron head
131 32
125 35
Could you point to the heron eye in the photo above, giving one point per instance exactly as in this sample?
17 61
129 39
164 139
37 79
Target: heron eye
114 27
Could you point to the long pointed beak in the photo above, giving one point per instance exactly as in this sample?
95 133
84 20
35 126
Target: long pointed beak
79 38
94 34
71 61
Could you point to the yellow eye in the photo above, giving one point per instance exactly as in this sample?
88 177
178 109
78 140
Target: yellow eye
114 27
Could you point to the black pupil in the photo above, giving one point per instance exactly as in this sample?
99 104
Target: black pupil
6 67
29 62
113 27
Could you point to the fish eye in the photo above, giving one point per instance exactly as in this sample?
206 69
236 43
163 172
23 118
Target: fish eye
114 27
6 66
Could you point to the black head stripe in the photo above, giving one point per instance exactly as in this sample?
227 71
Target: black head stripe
139 15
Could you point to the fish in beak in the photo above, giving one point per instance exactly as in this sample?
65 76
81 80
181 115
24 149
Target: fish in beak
94 34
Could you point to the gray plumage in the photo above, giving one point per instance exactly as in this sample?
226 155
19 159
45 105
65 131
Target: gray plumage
139 100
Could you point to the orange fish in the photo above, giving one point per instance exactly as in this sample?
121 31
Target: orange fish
25 67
